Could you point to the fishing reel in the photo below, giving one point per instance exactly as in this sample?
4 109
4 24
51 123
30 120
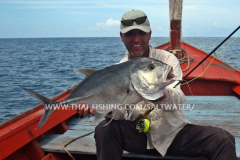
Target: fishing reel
141 121
143 125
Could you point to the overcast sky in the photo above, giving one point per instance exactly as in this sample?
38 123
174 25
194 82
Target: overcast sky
101 18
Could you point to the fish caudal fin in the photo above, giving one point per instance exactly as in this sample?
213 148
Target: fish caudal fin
48 104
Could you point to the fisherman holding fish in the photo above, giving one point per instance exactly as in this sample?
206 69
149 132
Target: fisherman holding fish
170 131
144 76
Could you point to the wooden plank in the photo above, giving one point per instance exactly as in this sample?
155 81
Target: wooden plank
15 155
219 71
211 73
54 156
23 131
202 88
80 127
83 121
219 111
236 89
175 9
33 150
214 109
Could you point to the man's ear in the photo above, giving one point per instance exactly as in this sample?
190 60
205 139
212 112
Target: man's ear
121 35
150 33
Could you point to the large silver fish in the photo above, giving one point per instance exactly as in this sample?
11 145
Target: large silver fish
125 83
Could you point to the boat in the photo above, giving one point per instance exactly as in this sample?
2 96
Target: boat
213 88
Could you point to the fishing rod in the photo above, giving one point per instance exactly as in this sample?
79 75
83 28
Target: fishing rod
184 78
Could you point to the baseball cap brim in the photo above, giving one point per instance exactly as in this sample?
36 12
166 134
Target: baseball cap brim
144 28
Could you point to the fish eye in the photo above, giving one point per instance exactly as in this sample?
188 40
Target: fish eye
151 67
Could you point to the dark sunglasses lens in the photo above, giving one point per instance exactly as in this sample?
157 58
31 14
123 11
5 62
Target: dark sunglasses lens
127 22
140 20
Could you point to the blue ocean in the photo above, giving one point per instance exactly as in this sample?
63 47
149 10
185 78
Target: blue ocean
47 65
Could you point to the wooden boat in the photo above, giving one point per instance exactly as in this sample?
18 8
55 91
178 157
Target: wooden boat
215 95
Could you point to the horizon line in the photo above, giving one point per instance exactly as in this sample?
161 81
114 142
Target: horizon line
107 37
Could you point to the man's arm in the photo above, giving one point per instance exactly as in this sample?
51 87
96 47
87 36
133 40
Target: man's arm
172 96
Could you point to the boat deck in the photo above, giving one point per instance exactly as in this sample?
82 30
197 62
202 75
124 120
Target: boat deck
219 111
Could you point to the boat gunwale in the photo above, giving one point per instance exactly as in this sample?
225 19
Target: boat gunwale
32 110
221 62
9 132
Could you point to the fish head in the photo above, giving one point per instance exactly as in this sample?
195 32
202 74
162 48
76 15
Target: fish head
150 77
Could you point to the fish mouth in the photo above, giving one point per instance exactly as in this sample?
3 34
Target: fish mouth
170 75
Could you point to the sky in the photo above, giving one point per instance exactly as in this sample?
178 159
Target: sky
101 18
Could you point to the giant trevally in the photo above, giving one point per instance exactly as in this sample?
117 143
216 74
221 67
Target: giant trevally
125 83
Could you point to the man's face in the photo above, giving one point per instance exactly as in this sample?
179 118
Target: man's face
136 42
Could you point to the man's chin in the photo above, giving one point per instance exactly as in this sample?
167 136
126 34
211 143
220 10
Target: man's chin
136 54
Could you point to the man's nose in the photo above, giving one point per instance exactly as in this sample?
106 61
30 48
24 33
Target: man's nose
136 37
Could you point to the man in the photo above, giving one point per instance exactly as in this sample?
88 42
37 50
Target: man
170 132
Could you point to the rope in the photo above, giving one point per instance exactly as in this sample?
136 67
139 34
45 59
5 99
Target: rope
211 61
64 146
181 60
184 57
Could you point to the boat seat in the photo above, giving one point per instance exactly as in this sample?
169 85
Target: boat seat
219 111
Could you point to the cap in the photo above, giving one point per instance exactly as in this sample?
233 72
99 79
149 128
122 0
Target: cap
132 15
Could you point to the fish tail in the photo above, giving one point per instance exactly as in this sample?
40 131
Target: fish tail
46 102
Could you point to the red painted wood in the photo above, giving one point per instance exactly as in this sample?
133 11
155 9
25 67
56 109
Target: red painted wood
175 34
23 131
236 89
33 150
219 79
210 88
18 155
56 156
218 70
58 97
61 128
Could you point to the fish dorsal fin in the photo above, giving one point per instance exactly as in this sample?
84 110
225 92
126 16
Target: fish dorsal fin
86 71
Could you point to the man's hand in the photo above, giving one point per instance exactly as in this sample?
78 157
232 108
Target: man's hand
85 111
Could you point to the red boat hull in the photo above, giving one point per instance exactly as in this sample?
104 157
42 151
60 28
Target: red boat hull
20 139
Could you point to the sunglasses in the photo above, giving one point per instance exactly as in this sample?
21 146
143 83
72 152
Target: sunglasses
129 22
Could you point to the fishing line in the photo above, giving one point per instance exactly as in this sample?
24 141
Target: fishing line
213 51
226 135
189 87
115 111
210 62
187 82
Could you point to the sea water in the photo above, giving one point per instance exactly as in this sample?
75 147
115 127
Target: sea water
47 65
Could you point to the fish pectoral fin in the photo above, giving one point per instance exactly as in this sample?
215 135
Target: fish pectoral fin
86 71
129 114
119 114
116 115
46 102
98 117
